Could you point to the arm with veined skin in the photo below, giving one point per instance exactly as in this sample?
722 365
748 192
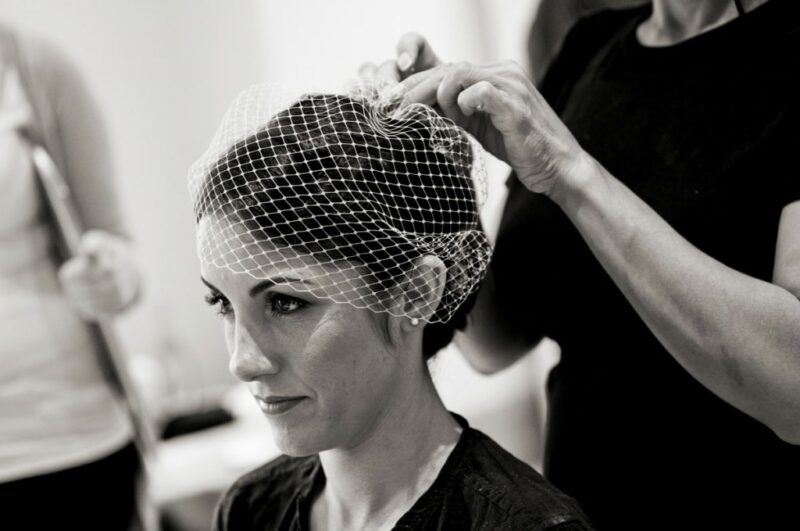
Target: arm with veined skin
737 335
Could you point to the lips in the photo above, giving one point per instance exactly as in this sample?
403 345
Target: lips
278 405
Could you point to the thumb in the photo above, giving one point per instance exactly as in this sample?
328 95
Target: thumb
94 247
415 54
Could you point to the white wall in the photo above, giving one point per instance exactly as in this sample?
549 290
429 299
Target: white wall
322 41
163 73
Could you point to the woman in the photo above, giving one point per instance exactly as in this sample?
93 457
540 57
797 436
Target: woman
66 452
653 230
341 241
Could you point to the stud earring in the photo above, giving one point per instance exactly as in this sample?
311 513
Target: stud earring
414 321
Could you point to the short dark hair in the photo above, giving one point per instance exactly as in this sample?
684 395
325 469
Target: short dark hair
257 180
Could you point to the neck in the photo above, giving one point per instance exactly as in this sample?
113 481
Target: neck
380 478
674 21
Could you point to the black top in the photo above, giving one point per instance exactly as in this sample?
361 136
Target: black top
707 132
480 486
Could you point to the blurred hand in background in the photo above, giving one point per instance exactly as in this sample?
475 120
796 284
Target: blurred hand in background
103 279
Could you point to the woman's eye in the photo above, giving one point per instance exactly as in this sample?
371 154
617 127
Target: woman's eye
282 304
215 299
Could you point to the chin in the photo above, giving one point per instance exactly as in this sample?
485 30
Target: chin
300 442
314 432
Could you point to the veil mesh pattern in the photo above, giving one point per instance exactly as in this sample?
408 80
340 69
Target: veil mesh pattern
351 187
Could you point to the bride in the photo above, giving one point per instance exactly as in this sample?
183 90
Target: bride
339 238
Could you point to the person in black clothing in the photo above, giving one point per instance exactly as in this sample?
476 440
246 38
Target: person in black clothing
341 263
653 230
480 486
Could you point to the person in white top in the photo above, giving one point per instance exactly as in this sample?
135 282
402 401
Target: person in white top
66 456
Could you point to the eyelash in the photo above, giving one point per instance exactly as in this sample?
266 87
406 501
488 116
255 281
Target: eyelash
273 299
214 299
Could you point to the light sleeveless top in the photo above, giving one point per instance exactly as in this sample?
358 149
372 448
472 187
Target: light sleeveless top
56 410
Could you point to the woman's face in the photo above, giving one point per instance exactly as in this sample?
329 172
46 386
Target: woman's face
321 371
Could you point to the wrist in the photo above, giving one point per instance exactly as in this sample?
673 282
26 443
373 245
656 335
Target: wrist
575 180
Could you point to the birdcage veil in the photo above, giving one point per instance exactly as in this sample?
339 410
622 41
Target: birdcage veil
352 187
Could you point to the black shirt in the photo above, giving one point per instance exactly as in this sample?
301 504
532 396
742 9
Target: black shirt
707 132
480 486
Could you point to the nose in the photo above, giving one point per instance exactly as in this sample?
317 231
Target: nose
248 361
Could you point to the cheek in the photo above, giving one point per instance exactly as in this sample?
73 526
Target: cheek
347 359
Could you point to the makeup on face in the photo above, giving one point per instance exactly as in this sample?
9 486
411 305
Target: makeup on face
318 370
275 405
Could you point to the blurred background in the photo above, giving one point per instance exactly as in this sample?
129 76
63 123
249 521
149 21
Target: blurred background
163 72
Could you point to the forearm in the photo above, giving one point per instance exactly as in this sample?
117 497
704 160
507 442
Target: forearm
488 343
737 335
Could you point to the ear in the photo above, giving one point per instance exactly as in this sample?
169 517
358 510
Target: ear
417 298
422 291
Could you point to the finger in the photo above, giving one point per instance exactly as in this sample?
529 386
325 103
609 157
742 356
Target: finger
83 271
388 70
415 79
94 280
90 300
482 96
71 267
88 288
422 87
73 270
93 239
414 54
458 78
91 283
97 295
367 70
96 247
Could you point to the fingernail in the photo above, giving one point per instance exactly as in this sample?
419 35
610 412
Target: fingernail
396 92
404 61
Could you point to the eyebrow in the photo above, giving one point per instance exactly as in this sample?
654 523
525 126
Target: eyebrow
268 283
263 285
